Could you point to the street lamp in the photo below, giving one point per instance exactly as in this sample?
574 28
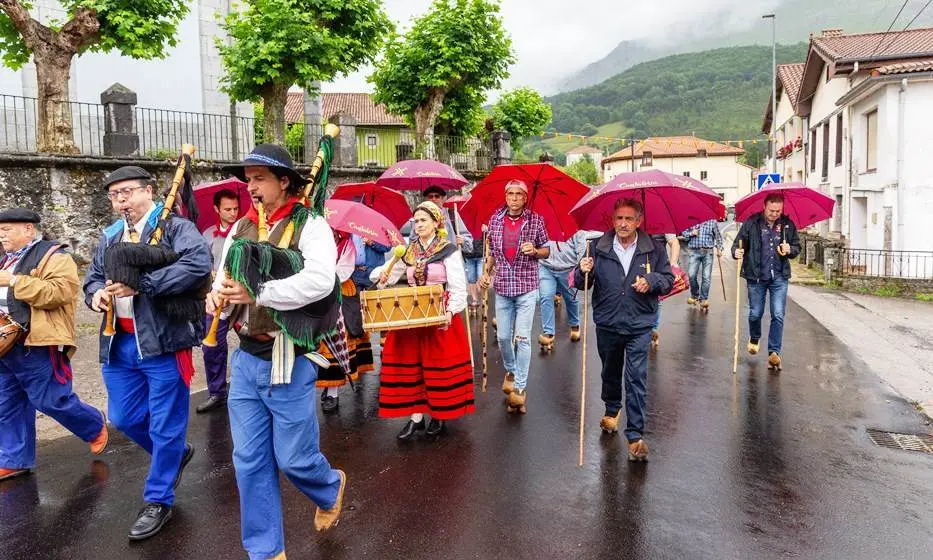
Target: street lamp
773 93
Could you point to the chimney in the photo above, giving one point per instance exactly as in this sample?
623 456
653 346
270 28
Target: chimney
828 33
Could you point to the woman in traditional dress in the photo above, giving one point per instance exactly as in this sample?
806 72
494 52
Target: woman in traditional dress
427 370
359 350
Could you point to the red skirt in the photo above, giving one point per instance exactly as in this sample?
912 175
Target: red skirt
426 370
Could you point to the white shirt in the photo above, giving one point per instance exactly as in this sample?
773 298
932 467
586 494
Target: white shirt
346 262
625 254
124 305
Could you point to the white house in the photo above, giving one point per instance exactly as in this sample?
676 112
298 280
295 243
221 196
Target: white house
576 154
867 100
716 165
791 160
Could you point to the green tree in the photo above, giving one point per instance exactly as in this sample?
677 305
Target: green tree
523 113
137 28
276 44
583 170
443 67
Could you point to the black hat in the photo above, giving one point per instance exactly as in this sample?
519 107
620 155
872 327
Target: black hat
433 189
126 173
18 216
272 156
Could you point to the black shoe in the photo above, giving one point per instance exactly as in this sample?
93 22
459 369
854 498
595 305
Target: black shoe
185 459
150 521
435 427
212 402
410 428
329 404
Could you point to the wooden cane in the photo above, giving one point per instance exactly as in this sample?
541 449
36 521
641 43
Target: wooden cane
738 293
722 279
586 289
466 313
483 334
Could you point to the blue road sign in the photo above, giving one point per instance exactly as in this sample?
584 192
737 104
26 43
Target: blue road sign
768 178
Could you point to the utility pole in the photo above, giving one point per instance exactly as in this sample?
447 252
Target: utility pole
631 142
773 92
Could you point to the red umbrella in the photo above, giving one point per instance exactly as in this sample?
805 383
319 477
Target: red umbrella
551 193
672 203
204 198
352 217
456 201
419 174
803 205
389 203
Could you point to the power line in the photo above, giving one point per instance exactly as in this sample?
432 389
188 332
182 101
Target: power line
909 23
893 21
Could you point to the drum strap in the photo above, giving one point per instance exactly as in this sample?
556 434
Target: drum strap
45 258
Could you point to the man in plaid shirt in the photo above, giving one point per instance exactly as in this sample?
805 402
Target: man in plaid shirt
702 241
517 239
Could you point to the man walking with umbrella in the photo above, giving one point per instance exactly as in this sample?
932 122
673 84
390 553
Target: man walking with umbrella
765 244
517 239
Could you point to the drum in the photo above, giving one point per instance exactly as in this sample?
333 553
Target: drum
394 309
11 332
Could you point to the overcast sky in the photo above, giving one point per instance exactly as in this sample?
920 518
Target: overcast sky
553 38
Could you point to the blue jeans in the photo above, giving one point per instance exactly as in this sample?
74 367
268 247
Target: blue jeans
699 286
474 269
514 317
274 427
625 359
27 384
148 401
552 283
756 310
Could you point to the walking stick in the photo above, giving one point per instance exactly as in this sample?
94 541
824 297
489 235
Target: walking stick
738 294
466 313
586 289
483 334
722 279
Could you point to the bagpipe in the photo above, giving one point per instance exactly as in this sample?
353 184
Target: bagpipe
252 263
128 262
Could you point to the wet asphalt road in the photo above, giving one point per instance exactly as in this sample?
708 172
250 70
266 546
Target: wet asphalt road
752 466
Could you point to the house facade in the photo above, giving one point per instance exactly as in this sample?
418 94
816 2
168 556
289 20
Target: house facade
716 165
576 154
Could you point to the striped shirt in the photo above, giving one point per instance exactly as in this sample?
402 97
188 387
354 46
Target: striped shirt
707 238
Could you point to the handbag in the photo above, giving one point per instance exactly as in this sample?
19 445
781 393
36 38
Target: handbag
681 282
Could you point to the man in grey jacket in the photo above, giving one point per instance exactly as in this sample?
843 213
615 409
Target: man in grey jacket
554 273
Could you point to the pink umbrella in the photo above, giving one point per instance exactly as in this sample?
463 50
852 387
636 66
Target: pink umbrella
419 174
389 203
803 205
352 217
456 201
672 203
204 198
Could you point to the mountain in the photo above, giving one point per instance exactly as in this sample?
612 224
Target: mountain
742 25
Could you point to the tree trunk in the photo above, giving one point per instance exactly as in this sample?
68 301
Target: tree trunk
53 70
425 115
274 96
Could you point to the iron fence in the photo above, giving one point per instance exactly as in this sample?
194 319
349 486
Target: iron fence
217 137
19 124
880 263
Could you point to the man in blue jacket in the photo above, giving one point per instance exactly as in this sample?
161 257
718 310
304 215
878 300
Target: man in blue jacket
628 273
767 241
147 364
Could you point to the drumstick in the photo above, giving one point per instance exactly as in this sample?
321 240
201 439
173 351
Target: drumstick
586 288
738 293
397 252
469 327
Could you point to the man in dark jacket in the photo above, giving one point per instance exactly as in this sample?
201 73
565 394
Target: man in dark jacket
767 241
628 273
147 364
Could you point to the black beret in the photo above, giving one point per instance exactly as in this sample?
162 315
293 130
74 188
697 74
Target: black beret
18 216
126 173
434 189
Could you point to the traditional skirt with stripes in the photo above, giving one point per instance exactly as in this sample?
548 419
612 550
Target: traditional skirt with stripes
426 370
358 346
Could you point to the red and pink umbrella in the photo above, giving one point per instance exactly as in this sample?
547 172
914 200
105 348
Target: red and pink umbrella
389 203
355 218
204 198
551 194
672 203
803 205
419 174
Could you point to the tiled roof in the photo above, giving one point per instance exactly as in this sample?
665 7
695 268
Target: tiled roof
360 105
922 65
675 146
865 46
791 76
584 150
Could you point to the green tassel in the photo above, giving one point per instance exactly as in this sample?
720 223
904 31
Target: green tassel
317 202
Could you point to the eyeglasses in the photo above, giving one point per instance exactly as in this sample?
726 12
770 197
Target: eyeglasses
125 192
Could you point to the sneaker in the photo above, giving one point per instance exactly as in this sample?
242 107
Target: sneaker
774 361
691 301
638 450
324 519
508 385
610 424
753 347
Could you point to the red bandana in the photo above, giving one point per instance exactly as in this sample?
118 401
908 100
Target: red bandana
282 212
219 231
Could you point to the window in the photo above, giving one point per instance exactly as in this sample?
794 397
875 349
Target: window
701 152
824 169
646 159
812 150
703 175
686 173
838 140
371 141
871 141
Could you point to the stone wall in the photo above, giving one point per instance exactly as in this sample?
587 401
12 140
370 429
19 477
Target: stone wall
903 287
67 191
